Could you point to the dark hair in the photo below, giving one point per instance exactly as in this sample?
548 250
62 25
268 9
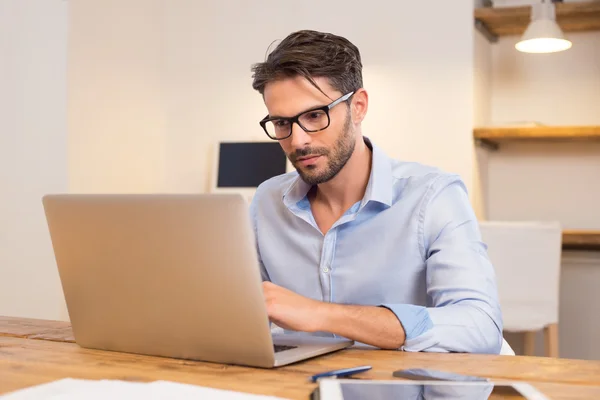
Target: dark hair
312 54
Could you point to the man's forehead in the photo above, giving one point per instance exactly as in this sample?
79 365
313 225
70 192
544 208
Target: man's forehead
289 96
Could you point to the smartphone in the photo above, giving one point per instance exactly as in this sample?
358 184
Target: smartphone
419 374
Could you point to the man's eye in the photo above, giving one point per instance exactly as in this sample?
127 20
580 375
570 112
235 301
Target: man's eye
280 123
315 114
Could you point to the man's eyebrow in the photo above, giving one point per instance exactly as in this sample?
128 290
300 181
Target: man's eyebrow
301 112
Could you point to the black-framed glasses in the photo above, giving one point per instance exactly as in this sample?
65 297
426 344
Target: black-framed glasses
313 120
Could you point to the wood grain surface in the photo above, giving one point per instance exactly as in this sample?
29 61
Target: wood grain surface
581 240
537 133
27 362
572 17
36 329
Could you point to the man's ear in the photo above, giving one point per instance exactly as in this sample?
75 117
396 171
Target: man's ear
359 105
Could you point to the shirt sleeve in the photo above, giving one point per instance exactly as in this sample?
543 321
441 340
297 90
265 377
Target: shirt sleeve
463 312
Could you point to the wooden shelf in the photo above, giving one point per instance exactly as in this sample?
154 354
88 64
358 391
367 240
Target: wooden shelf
581 240
572 17
493 136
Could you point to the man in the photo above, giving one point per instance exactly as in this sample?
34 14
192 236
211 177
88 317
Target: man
355 244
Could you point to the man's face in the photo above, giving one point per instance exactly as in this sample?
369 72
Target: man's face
317 156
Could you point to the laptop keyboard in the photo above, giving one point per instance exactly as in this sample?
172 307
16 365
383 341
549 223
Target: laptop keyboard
280 347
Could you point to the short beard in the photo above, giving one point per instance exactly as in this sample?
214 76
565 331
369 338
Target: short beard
338 157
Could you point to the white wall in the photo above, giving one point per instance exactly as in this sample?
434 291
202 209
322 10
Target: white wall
482 78
190 64
482 111
546 181
419 76
554 89
33 152
153 85
557 181
116 88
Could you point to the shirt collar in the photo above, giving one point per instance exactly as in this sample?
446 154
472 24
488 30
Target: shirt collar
379 187
380 184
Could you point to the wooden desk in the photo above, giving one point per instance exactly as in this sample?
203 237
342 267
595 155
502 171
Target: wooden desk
26 359
36 329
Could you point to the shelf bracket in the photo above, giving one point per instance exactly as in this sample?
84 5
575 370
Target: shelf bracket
487 144
483 29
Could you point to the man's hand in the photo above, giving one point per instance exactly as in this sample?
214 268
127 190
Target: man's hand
372 325
290 310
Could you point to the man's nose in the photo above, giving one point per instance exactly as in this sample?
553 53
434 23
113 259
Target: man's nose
300 138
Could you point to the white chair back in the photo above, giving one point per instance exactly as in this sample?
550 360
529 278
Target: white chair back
526 257
506 350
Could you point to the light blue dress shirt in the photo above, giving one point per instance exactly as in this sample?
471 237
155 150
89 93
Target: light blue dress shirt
412 244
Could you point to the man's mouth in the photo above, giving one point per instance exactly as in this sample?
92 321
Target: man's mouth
308 160
307 157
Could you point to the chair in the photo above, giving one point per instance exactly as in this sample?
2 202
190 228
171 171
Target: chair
506 350
526 257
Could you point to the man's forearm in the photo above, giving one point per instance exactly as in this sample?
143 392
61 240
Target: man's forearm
376 326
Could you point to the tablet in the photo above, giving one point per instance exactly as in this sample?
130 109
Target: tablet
352 389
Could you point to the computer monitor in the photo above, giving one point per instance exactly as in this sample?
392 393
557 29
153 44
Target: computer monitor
241 166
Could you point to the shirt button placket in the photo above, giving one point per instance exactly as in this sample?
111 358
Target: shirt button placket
325 265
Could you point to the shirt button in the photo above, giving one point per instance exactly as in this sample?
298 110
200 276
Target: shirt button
326 270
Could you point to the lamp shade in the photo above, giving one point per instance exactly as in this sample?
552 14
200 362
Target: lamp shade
543 35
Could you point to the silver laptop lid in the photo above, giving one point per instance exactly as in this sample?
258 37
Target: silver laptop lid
168 275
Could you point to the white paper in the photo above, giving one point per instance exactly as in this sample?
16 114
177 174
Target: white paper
77 389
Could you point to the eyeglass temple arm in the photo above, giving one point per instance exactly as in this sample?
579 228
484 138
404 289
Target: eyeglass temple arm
343 98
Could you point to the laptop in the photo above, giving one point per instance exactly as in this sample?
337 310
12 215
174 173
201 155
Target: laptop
169 275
